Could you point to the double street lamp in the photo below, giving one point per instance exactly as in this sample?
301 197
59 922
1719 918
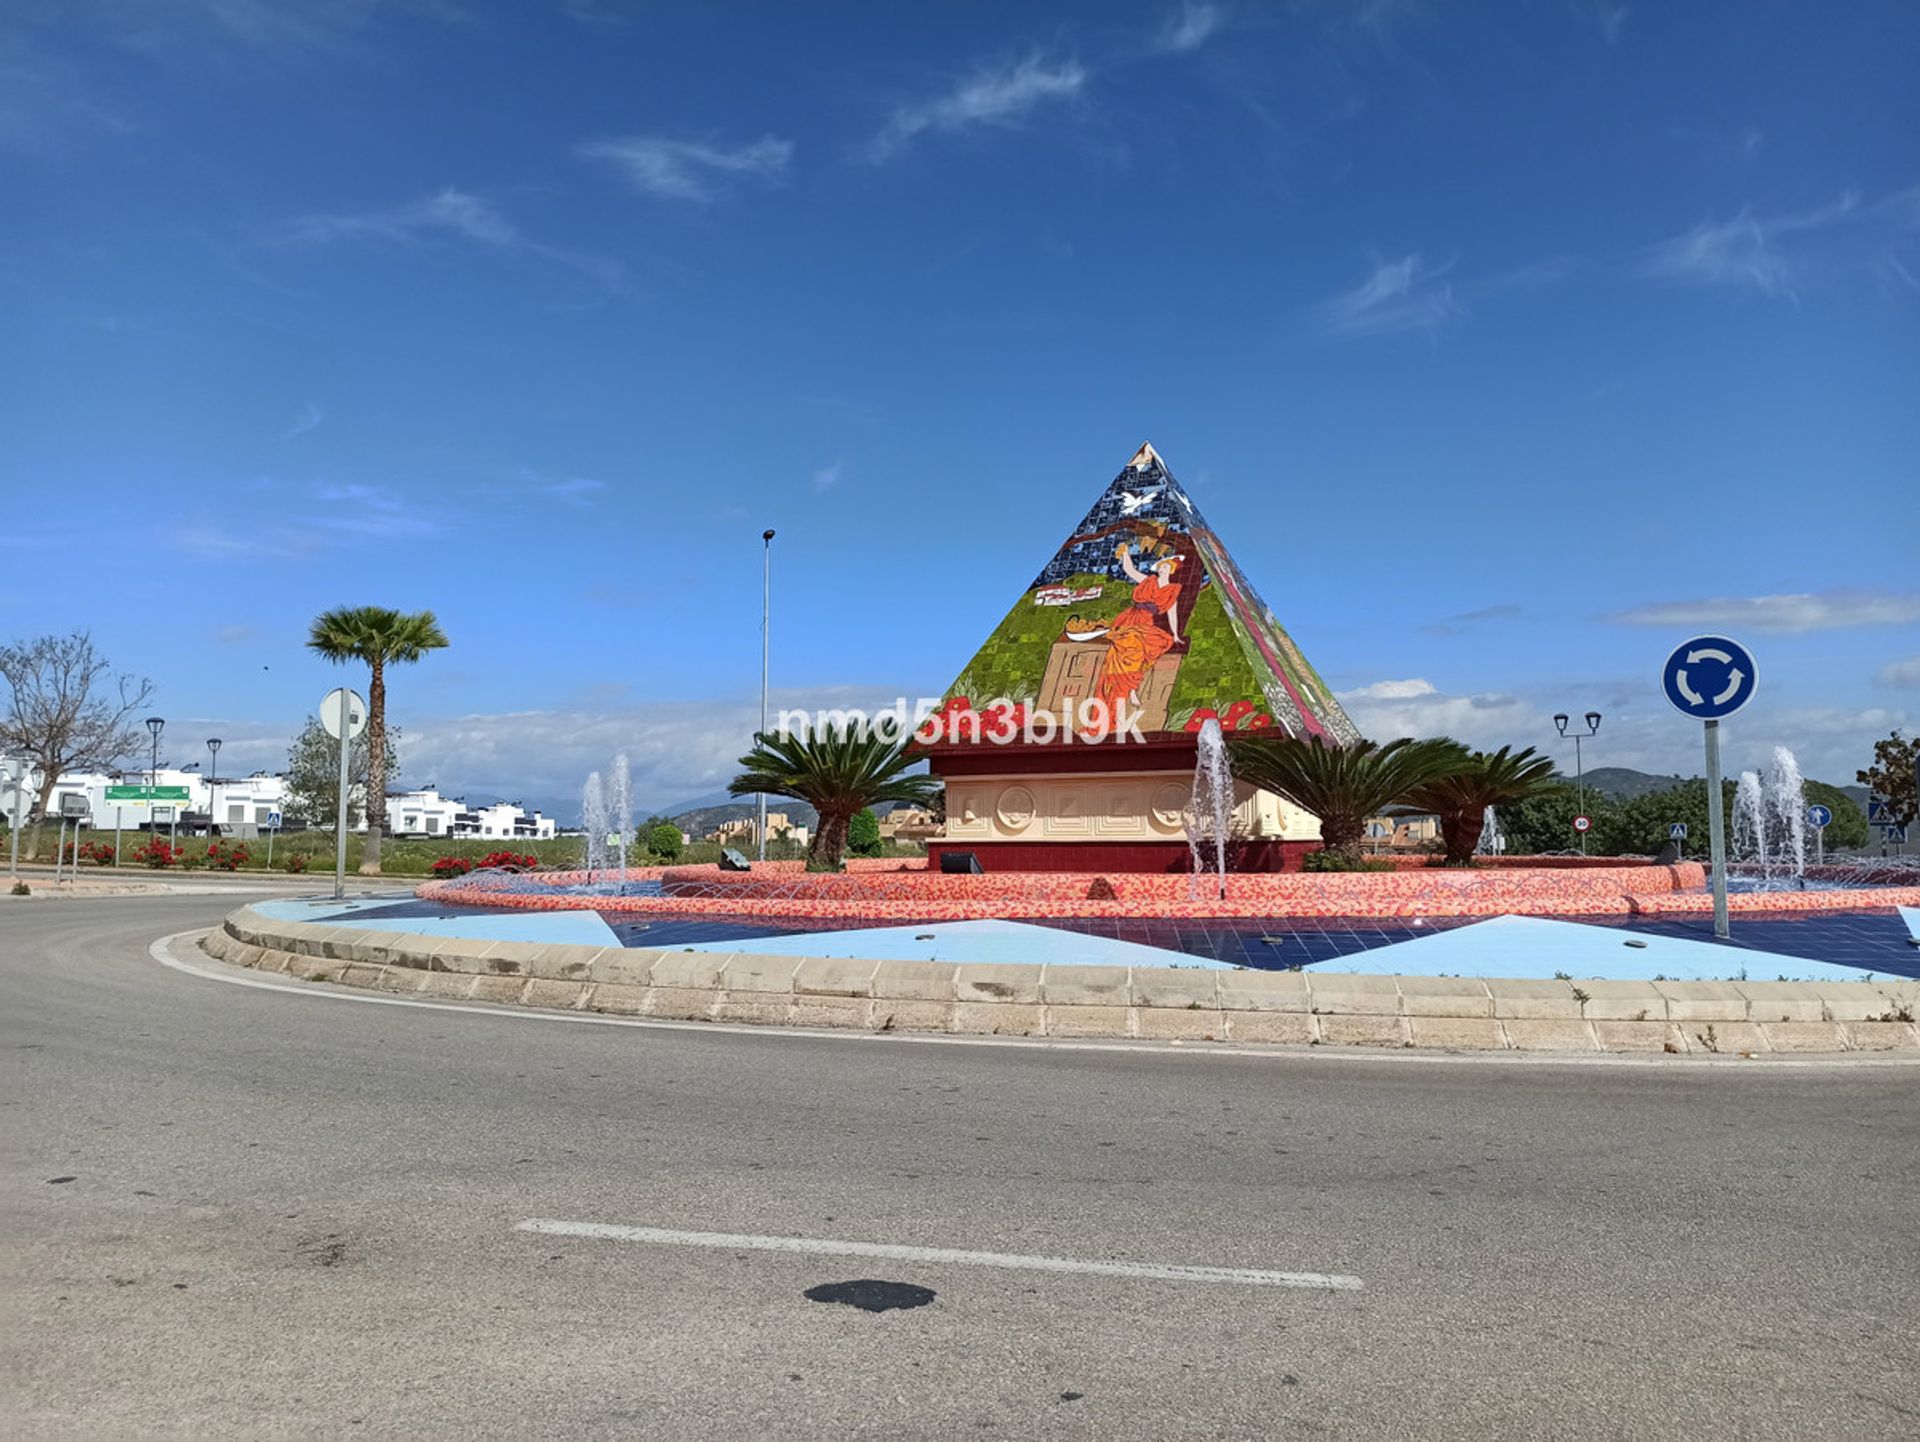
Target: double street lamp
1560 723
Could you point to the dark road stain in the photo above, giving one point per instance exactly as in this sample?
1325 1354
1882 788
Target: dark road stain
871 1296
1071 1396
60 1181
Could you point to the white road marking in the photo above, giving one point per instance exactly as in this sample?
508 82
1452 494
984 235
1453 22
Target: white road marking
949 1256
162 952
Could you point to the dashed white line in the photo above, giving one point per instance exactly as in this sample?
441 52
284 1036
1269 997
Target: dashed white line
943 1256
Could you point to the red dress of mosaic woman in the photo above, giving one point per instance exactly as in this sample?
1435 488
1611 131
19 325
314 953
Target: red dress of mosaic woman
1141 634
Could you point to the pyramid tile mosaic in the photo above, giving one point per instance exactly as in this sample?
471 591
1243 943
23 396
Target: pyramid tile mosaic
1143 609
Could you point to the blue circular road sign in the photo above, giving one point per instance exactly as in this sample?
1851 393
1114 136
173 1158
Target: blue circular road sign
1710 677
1819 817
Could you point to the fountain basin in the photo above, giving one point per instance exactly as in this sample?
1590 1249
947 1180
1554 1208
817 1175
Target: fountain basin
892 892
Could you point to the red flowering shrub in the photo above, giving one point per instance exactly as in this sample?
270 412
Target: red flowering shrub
449 866
157 854
94 853
296 862
227 858
507 861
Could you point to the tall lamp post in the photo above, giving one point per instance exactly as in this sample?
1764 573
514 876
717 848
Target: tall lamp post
1560 722
766 616
155 725
213 780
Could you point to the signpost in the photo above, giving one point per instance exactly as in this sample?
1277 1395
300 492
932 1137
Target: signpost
273 825
72 808
1820 818
345 716
1709 678
1677 831
18 767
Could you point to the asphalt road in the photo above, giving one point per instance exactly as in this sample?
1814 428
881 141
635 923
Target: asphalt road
232 1212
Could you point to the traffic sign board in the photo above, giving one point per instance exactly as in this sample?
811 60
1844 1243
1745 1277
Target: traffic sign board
1677 831
1709 677
1819 817
1876 809
1582 823
330 713
273 820
146 793
1895 834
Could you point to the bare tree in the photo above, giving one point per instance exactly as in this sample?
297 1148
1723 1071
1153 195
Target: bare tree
66 710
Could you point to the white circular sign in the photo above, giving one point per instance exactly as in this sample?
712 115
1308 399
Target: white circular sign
1582 823
356 713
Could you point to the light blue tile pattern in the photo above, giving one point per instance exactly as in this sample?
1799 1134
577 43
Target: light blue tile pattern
1532 946
957 941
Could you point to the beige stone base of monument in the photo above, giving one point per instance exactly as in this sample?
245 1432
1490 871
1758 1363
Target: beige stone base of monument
1115 806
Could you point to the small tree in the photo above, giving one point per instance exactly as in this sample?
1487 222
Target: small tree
1891 777
838 771
663 840
1342 785
1461 797
313 774
863 833
66 710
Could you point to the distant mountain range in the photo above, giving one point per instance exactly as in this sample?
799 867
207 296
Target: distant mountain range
1623 783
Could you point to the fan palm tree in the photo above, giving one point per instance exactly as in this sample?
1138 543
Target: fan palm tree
1342 785
839 772
1461 797
379 637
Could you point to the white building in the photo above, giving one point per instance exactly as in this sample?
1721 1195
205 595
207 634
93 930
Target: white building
427 813
505 820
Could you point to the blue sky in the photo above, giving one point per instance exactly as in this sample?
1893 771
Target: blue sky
1506 345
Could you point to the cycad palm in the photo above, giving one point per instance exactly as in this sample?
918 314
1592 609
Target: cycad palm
379 637
1342 785
838 771
1461 798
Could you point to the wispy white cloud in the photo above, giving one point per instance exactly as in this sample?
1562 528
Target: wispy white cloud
1397 297
1191 26
1467 621
997 95
1819 611
827 477
310 416
690 170
1900 673
449 214
1775 255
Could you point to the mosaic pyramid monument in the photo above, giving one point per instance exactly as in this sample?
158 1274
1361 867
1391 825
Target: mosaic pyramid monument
1143 608
1141 618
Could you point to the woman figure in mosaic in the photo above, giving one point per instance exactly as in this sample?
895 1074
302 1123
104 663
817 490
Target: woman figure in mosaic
1141 634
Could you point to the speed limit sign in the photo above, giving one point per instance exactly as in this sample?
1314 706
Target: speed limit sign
1582 823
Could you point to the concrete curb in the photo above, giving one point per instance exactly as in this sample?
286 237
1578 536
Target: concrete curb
984 999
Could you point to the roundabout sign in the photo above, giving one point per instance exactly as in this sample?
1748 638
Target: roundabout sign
1709 678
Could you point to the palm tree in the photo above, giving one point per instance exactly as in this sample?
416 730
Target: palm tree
377 636
1461 798
838 771
1342 785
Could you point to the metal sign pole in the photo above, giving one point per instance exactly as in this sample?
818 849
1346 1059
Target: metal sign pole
270 831
340 834
19 778
116 838
60 849
1716 831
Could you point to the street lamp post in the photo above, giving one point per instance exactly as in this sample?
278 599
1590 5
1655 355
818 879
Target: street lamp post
1560 722
766 616
155 725
213 780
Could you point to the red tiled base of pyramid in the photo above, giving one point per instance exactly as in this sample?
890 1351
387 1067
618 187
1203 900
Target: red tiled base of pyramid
889 890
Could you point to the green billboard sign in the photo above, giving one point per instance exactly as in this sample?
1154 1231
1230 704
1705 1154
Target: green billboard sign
146 793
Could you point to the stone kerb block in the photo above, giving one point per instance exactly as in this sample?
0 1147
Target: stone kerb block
1176 987
1354 995
1625 1001
1691 1001
1529 1000
834 976
997 983
1445 996
1279 991
1086 986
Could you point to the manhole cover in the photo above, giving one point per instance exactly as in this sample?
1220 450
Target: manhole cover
871 1296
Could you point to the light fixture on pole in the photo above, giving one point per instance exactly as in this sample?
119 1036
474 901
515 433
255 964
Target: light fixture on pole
155 725
766 616
1560 722
213 780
